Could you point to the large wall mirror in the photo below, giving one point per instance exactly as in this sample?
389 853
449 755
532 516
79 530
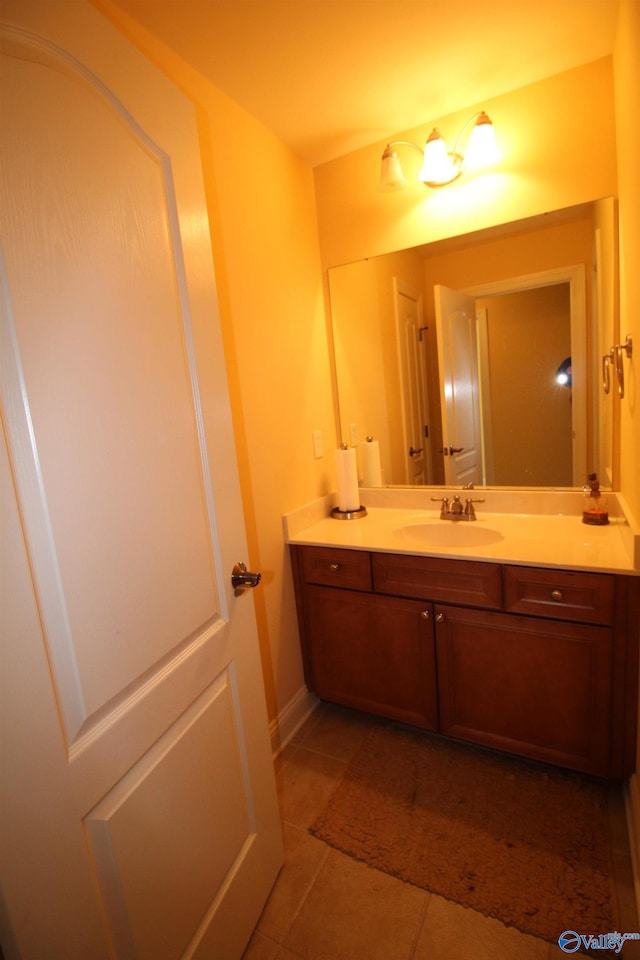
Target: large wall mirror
478 358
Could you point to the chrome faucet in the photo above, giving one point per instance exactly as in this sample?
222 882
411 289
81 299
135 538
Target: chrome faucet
455 510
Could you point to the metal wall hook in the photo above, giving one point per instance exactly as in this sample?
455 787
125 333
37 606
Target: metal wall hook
614 358
607 359
626 347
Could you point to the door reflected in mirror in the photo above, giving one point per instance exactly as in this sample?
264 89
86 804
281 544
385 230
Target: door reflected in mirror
448 354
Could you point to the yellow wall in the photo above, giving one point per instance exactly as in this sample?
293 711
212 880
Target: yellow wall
565 140
363 318
557 139
269 286
359 357
532 251
627 104
529 335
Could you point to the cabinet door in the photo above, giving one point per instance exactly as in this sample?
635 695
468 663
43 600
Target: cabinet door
373 653
537 688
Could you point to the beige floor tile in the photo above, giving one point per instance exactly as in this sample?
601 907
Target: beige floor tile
350 912
356 913
260 948
623 871
303 858
335 731
452 932
300 734
306 782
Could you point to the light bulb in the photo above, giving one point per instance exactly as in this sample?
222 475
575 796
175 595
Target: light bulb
438 167
483 149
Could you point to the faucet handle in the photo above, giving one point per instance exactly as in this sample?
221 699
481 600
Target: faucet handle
469 512
445 506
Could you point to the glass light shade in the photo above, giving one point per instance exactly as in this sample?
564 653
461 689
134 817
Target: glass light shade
391 175
438 167
483 149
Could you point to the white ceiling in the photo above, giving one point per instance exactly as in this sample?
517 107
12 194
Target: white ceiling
330 76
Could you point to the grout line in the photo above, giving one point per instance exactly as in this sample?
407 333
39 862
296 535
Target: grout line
290 953
312 883
419 926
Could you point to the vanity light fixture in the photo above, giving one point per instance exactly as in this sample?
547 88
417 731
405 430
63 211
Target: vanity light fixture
439 164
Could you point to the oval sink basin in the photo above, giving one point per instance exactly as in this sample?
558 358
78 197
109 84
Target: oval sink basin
449 533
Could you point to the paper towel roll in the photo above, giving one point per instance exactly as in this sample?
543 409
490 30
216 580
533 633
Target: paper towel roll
347 470
370 461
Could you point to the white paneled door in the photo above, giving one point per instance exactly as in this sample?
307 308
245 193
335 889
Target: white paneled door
413 383
459 386
139 812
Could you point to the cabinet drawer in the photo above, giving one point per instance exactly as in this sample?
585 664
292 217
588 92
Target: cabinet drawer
453 581
561 594
335 567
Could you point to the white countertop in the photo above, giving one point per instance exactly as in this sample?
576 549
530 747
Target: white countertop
503 532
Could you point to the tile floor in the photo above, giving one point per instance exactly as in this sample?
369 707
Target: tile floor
326 906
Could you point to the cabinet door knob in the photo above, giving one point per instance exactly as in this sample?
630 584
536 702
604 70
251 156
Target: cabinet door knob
334 567
556 595
424 614
439 617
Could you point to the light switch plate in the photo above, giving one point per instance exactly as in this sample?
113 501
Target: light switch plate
318 447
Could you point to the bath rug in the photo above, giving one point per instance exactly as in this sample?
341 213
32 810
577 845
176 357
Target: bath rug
525 843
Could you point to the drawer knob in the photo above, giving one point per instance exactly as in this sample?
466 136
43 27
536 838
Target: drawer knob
334 567
556 595
425 614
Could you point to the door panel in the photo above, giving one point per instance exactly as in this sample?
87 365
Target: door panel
115 410
132 512
135 854
413 382
459 386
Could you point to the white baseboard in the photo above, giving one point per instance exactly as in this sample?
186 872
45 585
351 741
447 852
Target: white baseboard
291 718
632 808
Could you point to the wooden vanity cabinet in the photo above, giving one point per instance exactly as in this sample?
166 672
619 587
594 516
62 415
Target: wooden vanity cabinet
373 653
537 662
535 687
